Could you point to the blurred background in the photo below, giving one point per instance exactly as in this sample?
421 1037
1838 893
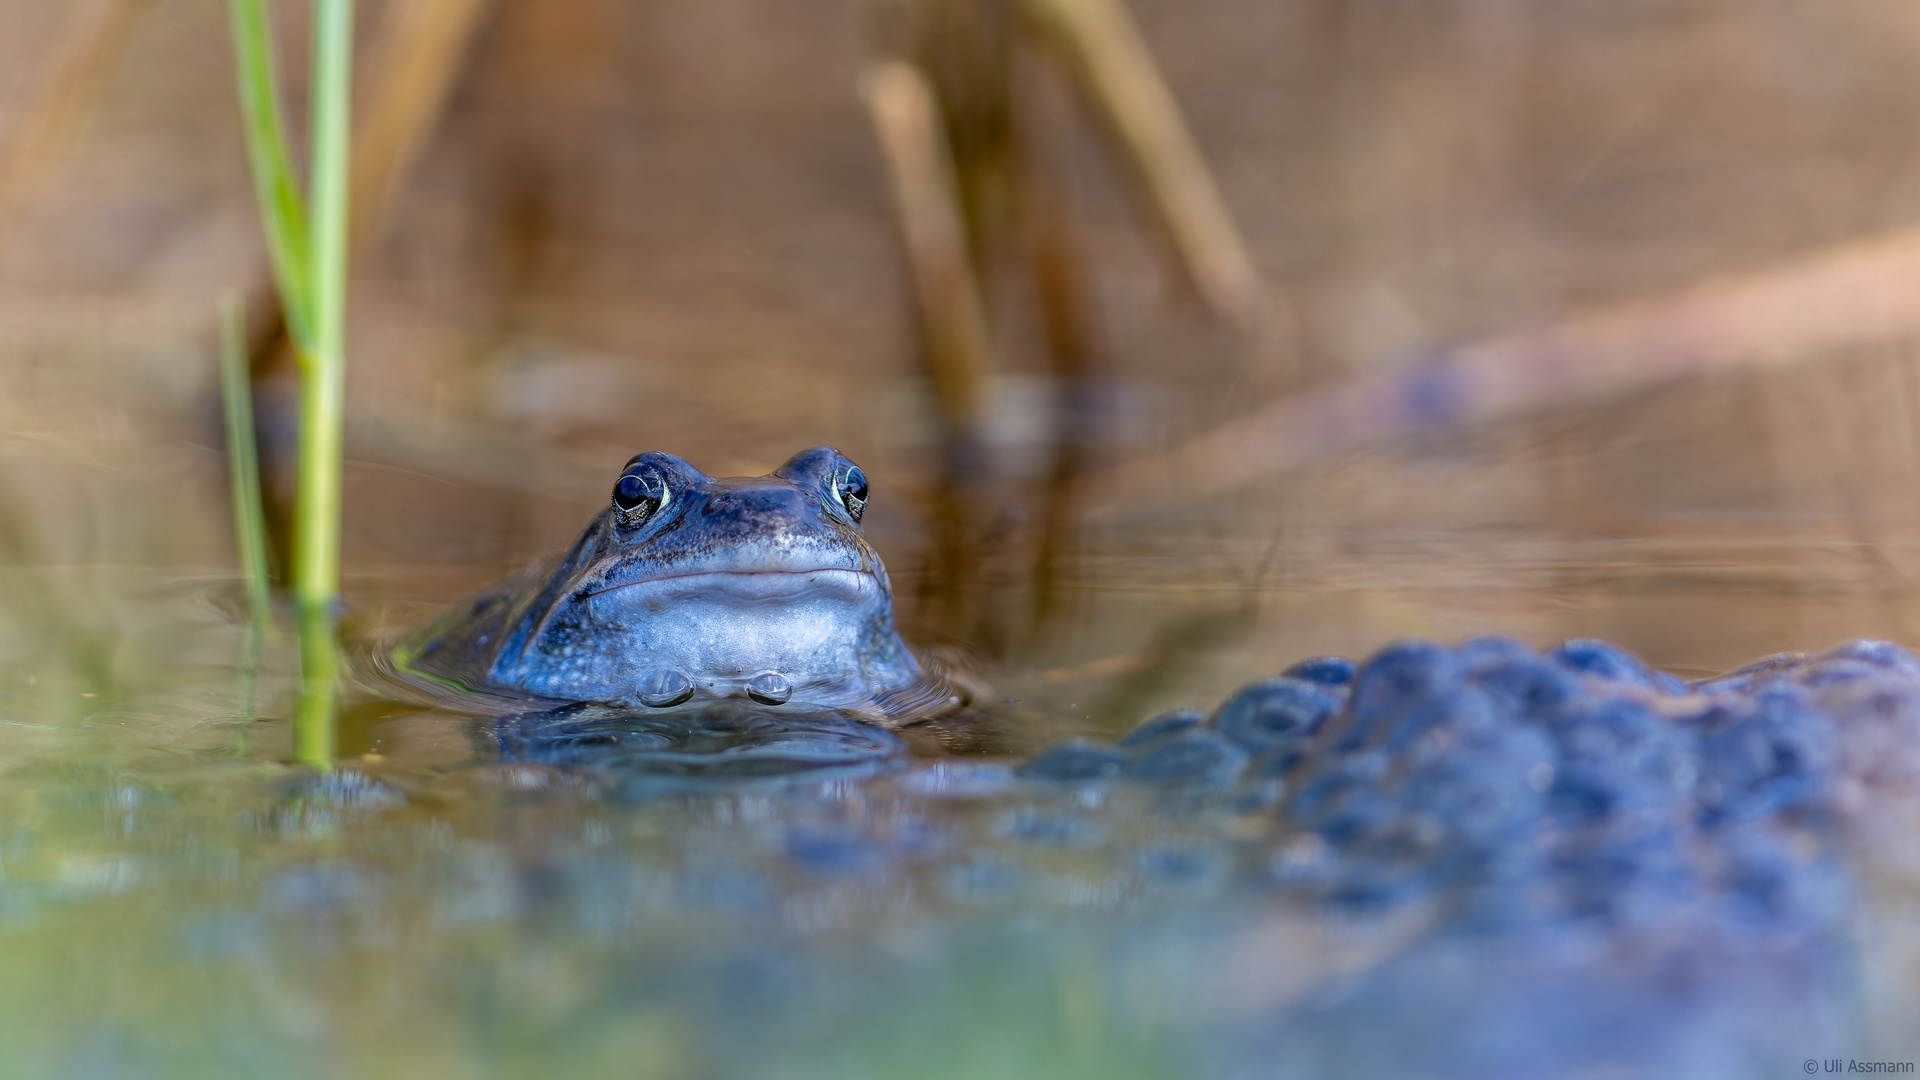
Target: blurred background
1674 243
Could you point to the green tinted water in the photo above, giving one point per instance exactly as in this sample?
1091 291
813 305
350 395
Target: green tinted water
175 900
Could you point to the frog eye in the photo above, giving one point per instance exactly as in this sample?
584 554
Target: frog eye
850 487
637 497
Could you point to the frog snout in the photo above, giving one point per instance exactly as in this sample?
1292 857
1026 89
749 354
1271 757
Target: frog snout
783 505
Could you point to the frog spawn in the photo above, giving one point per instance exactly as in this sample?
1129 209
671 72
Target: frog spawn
1566 864
1524 790
1591 846
1575 788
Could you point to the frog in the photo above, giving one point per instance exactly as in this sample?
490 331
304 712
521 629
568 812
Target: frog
688 592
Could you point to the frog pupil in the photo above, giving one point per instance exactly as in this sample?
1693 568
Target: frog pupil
853 491
631 498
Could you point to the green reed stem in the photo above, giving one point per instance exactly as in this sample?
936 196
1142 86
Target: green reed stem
315 733
282 216
243 476
323 367
308 248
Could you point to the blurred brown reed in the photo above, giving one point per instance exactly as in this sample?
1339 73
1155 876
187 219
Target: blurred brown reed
75 79
1102 49
913 142
948 115
976 200
411 71
1854 294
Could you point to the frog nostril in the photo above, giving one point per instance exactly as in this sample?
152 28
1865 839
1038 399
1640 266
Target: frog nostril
662 688
769 688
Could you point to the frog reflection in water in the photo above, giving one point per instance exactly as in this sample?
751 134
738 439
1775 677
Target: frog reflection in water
690 591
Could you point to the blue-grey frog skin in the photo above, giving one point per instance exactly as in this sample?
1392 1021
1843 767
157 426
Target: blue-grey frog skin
688 591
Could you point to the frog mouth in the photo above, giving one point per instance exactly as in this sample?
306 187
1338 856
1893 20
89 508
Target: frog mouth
745 585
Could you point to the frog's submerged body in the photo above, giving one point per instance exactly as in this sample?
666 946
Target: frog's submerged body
690 591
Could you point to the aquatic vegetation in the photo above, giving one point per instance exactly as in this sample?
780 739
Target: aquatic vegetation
243 481
307 244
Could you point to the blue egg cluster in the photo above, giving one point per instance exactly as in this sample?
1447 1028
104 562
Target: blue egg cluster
1523 790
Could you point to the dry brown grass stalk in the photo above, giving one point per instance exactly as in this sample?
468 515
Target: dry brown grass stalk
75 80
1852 295
412 69
1101 47
906 121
